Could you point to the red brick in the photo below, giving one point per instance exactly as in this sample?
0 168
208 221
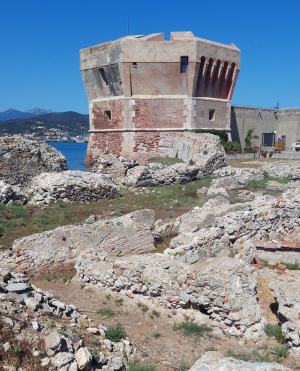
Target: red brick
287 244
281 267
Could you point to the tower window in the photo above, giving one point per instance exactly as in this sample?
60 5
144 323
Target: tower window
134 64
103 77
184 64
212 115
108 114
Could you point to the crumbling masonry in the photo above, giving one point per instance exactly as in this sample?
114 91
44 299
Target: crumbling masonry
143 90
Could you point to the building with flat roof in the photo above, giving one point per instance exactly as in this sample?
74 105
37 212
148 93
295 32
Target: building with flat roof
143 90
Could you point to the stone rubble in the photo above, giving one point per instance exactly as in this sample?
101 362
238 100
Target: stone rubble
21 159
30 307
10 194
113 166
70 186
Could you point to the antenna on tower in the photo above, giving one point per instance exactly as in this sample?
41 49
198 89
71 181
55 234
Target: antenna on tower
127 26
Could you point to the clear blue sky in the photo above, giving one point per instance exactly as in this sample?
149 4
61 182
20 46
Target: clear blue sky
40 42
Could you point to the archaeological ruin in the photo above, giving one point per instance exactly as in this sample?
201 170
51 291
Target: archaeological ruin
143 90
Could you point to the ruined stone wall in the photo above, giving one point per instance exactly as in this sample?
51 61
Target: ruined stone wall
220 114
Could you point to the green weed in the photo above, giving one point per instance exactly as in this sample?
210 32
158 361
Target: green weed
107 312
157 335
140 367
232 253
293 267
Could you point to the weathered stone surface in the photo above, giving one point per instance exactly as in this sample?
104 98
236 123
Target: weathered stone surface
17 287
52 343
70 186
286 291
9 194
83 358
235 178
127 234
156 174
113 166
203 150
62 359
215 361
21 159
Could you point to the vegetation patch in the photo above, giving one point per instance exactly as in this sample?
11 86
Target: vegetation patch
261 184
292 266
168 161
192 329
232 253
139 367
107 312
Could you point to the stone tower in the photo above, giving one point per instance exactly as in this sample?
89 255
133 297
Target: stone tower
143 90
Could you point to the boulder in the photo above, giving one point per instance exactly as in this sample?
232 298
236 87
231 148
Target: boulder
21 159
215 361
83 358
203 150
9 194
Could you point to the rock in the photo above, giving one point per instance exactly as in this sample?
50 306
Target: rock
22 159
71 186
10 193
127 234
32 303
129 293
61 359
52 343
203 150
83 359
36 326
215 361
7 347
45 361
8 321
91 219
115 363
17 287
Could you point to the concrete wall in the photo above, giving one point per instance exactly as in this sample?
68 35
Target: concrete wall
284 122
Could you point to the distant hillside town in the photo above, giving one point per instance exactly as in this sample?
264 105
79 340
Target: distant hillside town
45 125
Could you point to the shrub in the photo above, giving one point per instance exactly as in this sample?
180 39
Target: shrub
157 335
184 366
205 152
264 153
192 329
115 333
271 153
249 137
220 133
119 302
276 331
231 147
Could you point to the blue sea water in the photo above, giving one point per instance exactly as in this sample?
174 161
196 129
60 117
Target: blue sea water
74 152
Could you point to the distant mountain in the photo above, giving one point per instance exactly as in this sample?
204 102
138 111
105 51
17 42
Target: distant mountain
12 113
72 122
39 111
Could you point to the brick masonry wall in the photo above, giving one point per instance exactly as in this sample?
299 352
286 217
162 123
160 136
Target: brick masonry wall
145 145
100 118
153 144
202 109
159 113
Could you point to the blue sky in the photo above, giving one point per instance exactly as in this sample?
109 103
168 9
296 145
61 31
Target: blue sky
40 42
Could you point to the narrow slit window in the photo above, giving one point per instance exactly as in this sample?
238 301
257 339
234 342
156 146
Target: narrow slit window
134 64
103 77
184 64
108 115
212 115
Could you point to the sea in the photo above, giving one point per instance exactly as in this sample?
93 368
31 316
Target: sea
74 153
